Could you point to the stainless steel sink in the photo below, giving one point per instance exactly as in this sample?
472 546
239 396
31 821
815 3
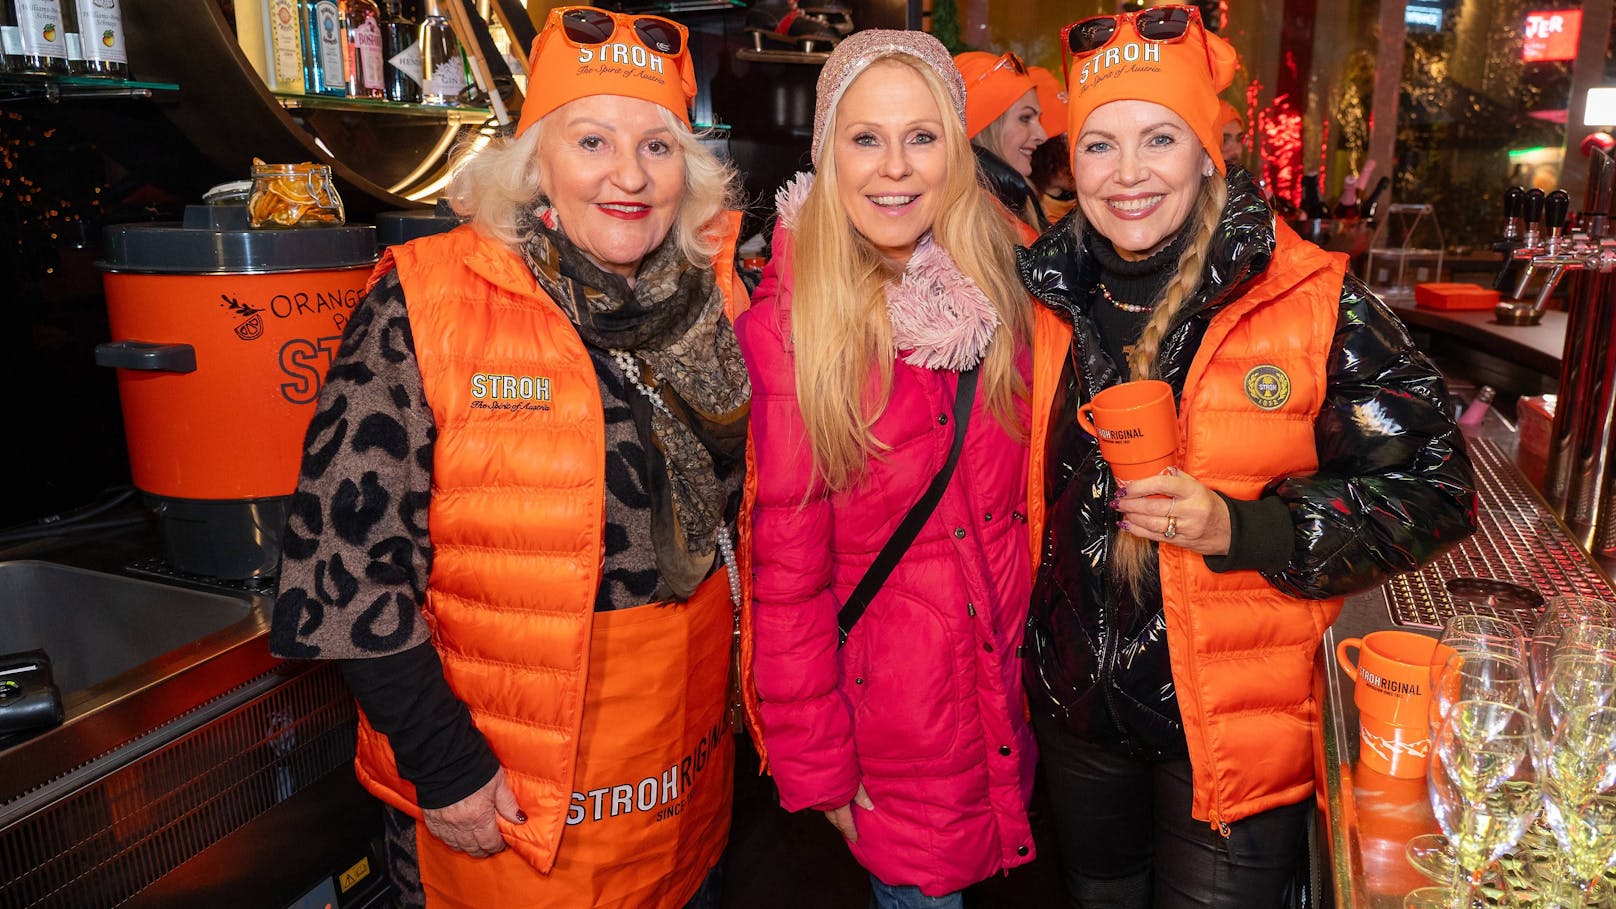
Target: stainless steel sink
137 662
97 626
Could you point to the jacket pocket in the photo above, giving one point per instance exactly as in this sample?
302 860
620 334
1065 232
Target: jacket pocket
901 679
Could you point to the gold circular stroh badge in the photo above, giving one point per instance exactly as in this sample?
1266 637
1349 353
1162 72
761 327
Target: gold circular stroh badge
1268 387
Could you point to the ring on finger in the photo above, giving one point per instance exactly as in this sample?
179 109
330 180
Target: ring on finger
1172 528
1171 504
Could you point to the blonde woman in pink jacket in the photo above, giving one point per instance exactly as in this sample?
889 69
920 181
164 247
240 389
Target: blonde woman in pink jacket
890 311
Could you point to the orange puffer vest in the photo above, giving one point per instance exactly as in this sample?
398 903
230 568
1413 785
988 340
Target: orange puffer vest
517 514
1242 652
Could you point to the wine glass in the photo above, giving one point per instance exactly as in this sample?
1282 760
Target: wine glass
1578 781
1484 793
1484 633
1465 676
1561 614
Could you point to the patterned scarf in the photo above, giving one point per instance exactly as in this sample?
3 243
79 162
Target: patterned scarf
670 327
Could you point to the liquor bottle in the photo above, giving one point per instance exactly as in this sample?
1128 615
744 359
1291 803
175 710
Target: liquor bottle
402 52
362 52
101 37
322 48
252 34
44 38
285 46
1346 208
10 38
70 38
1369 206
443 71
1313 207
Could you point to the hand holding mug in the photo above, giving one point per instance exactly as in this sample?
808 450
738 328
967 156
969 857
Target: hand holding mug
1177 509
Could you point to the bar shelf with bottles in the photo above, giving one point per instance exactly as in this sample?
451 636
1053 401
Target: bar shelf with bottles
360 56
62 49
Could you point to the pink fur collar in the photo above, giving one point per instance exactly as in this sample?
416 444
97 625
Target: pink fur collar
939 315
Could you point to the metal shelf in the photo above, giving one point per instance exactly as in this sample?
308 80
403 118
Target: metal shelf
452 113
666 7
17 86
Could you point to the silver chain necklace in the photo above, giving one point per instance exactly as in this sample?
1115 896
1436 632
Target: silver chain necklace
726 547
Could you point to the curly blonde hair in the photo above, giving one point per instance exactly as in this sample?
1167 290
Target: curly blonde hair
496 185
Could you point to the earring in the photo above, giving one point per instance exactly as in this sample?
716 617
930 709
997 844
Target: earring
1207 172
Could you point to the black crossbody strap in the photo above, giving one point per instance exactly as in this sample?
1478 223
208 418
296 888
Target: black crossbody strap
904 536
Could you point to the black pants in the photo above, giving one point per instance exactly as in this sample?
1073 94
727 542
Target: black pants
1127 840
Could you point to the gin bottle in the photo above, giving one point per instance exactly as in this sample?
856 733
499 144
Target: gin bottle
402 71
322 48
443 72
362 52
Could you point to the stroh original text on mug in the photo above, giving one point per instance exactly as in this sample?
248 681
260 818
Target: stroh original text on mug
1137 426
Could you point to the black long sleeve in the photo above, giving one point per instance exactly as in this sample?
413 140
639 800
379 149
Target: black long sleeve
436 745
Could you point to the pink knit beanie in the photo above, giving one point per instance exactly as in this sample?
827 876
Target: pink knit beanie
859 50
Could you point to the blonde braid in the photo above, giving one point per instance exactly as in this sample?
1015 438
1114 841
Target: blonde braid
1131 562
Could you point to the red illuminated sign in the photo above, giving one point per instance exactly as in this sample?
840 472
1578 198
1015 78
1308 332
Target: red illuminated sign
1551 35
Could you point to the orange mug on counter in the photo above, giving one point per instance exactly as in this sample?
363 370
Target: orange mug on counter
1137 425
1393 696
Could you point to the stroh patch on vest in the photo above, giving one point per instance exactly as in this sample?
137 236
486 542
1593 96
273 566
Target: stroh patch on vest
493 391
1268 386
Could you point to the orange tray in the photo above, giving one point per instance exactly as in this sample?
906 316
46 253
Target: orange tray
1454 296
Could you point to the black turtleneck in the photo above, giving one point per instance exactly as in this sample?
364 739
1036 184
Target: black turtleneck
1259 531
1138 283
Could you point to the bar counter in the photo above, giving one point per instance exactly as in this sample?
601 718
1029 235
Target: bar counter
1369 817
1515 359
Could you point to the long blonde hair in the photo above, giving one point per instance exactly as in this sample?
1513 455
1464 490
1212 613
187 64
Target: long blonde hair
497 184
1132 559
839 322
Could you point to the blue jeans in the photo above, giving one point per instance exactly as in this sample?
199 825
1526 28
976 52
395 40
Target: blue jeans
712 888
887 896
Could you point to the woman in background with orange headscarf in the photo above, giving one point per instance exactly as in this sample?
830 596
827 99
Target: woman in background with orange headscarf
513 524
1002 115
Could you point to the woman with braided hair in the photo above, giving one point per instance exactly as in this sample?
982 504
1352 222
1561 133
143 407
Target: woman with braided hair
1175 622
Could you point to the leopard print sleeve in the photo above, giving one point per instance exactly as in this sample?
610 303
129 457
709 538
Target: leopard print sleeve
355 554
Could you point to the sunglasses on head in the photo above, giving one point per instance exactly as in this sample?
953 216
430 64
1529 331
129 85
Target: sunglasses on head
585 26
1007 60
1159 24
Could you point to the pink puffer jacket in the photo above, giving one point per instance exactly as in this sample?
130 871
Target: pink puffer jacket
924 704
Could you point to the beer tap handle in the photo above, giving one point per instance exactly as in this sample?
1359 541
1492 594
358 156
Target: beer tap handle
1514 203
1534 206
1556 206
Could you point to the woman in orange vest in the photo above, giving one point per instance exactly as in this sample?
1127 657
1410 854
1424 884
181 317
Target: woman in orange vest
888 353
1176 620
514 522
1003 118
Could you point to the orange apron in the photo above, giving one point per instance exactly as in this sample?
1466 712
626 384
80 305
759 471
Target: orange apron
652 790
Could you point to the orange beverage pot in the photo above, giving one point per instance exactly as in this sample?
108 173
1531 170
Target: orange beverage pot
222 338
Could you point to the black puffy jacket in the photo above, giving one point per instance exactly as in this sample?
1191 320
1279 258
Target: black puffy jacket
1009 187
1102 662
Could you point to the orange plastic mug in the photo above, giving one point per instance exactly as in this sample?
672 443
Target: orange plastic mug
1393 696
1137 426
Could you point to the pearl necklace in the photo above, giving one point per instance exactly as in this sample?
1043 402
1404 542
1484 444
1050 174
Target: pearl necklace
1125 307
726 547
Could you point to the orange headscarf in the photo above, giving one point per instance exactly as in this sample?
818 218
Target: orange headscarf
1184 75
1051 100
1227 114
561 71
992 85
